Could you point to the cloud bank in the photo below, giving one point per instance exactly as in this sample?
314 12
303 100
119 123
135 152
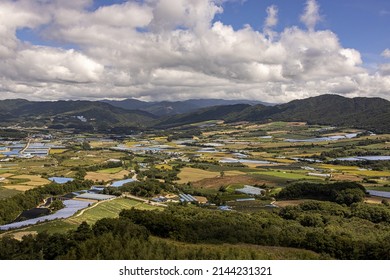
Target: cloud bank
157 50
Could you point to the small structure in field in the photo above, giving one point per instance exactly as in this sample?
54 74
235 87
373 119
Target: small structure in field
319 175
250 190
120 183
93 196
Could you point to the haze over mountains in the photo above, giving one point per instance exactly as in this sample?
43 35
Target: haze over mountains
164 108
120 116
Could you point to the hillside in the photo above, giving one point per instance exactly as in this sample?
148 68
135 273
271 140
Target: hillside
81 115
366 113
170 108
205 114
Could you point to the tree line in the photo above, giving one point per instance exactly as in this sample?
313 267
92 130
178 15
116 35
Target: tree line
340 192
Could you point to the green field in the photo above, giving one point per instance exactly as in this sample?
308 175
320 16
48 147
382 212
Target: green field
108 209
111 170
105 209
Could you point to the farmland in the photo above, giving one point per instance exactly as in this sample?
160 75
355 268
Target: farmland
202 172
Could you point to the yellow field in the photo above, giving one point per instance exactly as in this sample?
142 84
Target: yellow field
6 175
35 180
19 187
164 167
57 151
374 200
189 174
100 144
96 176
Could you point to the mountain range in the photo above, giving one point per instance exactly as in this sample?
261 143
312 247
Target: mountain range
170 108
121 116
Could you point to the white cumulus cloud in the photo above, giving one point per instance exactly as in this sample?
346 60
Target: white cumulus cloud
163 49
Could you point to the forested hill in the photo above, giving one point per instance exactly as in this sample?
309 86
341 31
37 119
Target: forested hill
170 108
366 113
205 114
82 115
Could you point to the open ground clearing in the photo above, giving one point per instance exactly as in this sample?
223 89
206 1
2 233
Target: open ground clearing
34 180
98 176
19 187
189 174
216 183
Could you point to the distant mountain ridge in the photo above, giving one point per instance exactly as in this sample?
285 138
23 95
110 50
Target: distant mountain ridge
366 113
170 108
360 112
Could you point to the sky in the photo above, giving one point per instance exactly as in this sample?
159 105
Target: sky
268 50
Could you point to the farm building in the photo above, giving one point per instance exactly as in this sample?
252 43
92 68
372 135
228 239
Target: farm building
160 199
250 190
225 208
60 180
93 196
120 183
379 193
187 198
201 199
245 199
319 175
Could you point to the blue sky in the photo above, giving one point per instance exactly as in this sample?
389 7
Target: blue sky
360 24
172 50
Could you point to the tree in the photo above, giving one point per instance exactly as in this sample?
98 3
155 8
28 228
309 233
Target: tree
56 205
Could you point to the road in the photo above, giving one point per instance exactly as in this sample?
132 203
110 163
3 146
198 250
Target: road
26 147
144 200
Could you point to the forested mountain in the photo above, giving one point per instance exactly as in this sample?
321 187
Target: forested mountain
205 114
83 115
169 108
366 113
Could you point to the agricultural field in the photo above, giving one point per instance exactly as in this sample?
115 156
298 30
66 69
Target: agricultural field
205 170
104 209
107 176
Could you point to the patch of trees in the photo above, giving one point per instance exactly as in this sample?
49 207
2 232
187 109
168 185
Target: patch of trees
327 228
339 192
345 152
118 239
164 174
184 134
10 208
147 188
12 134
106 165
56 205
310 227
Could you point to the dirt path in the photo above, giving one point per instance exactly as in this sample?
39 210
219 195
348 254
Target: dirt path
144 200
